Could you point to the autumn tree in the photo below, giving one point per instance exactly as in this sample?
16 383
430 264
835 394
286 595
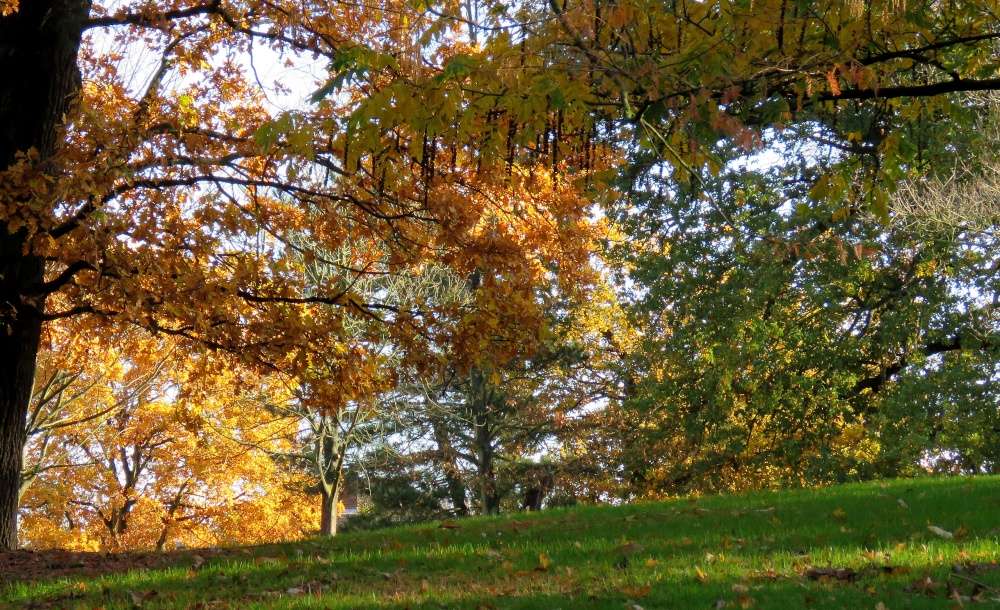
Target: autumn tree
155 203
145 456
167 203
81 383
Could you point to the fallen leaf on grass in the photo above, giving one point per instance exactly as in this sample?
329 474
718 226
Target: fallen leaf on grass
215 604
312 588
449 525
543 562
768 574
390 575
743 595
940 532
891 570
881 606
925 586
141 596
637 592
197 561
701 575
628 549
844 574
266 561
901 503
972 567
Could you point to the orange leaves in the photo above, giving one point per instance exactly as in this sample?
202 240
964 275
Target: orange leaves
139 450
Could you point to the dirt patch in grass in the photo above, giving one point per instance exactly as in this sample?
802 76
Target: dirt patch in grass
25 566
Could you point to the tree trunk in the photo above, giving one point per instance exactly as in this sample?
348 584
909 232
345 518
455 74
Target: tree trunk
19 338
452 475
38 77
483 438
328 515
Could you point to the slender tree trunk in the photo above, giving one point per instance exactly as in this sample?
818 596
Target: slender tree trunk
452 475
483 438
38 77
328 515
330 453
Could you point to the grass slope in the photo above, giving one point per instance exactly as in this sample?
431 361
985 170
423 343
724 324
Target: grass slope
852 546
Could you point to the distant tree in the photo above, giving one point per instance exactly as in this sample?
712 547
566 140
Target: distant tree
131 458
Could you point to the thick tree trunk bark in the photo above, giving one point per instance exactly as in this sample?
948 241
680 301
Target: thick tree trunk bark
38 77
19 338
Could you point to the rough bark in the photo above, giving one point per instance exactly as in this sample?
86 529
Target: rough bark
38 78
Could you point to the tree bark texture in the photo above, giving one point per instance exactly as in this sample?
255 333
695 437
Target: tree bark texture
328 514
331 450
38 79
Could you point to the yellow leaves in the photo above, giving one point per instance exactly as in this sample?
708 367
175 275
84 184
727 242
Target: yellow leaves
134 400
188 115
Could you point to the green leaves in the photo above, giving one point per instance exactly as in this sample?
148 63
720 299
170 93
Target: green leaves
353 63
292 129
456 69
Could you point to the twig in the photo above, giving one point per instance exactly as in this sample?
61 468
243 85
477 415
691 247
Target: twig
975 582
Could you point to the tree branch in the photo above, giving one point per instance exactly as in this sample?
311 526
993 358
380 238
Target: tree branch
155 19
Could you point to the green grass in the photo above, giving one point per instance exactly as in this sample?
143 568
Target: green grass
760 550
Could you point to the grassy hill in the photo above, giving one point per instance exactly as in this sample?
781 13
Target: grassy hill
928 543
